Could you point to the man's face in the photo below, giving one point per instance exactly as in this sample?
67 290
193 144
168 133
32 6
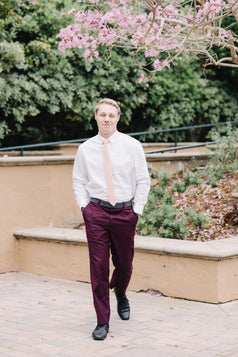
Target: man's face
107 118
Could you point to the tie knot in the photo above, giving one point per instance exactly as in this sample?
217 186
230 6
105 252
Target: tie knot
106 141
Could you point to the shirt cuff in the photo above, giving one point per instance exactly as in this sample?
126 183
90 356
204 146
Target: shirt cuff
83 204
138 208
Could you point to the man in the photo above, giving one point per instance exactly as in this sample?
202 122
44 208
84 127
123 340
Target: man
109 171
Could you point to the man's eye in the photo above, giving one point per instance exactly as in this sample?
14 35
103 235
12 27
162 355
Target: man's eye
102 115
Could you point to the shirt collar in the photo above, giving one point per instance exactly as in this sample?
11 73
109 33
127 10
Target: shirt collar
111 139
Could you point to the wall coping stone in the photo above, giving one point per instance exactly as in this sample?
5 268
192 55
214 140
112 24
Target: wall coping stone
36 160
155 144
69 159
217 250
182 156
170 144
14 153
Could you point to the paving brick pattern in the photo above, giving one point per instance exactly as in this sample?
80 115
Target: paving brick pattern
42 316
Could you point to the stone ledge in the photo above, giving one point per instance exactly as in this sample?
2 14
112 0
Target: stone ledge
69 159
211 250
31 153
155 144
185 156
36 160
171 144
52 234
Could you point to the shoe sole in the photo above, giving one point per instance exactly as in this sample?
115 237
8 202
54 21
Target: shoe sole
124 319
99 339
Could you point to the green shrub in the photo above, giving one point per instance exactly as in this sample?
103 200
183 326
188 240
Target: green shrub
161 217
189 178
200 219
224 158
179 186
192 178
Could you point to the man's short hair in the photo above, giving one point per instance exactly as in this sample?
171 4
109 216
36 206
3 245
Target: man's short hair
109 102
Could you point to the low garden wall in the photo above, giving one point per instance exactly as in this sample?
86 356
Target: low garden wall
37 192
201 271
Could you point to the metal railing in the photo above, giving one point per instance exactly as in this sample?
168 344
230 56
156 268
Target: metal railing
21 148
175 148
31 146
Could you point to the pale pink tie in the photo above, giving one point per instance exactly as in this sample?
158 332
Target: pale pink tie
108 174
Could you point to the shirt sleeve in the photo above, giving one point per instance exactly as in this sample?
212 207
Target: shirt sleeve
80 179
142 179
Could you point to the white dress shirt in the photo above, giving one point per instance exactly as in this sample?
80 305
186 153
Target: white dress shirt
129 170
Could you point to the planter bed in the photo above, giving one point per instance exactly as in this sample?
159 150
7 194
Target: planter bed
201 271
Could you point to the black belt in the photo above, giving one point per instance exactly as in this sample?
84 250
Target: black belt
108 204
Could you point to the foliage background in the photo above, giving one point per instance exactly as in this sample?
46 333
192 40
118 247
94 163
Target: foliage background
49 95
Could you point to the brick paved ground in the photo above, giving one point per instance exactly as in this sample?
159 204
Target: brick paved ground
42 316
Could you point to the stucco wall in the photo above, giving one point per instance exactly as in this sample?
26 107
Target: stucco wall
33 193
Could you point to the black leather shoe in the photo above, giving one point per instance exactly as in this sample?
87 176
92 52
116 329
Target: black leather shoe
123 307
100 332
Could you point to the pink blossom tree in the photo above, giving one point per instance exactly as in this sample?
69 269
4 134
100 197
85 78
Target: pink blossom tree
159 30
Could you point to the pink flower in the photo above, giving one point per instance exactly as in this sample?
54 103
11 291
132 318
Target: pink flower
142 77
158 65
166 64
90 53
140 19
72 11
151 53
107 36
137 38
170 8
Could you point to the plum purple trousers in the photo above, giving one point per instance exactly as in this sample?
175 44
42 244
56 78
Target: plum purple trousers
109 229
